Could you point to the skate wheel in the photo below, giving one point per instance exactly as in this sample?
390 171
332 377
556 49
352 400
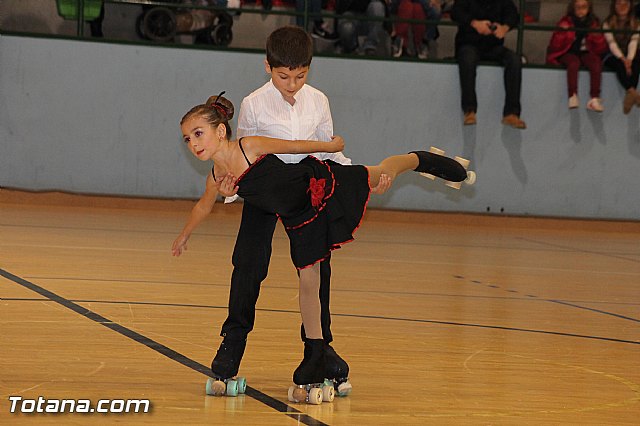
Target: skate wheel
428 176
290 394
471 178
315 396
454 185
297 394
463 161
242 384
435 150
328 393
232 388
344 388
215 387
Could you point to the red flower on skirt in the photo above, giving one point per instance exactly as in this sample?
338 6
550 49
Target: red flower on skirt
316 188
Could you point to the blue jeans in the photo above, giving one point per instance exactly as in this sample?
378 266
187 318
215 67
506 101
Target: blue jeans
350 29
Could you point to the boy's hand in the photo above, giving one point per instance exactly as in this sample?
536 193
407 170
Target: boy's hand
337 144
227 186
384 183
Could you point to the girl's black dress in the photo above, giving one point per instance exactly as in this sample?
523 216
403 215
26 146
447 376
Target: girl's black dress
320 203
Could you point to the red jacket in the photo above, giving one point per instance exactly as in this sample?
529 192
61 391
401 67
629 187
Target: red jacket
561 41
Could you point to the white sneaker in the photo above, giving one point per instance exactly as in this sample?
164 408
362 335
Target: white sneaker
574 102
595 104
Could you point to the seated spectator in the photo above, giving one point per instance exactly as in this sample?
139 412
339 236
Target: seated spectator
577 46
422 34
482 26
376 32
623 49
314 7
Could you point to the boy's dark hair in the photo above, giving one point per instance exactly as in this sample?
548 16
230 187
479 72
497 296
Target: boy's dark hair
290 47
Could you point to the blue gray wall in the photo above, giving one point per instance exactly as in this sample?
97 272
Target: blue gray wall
103 119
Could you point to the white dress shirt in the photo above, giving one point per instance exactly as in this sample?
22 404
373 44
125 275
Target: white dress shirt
266 113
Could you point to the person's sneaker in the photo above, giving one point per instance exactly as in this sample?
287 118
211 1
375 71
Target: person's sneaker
513 121
469 118
595 104
423 52
396 47
574 102
319 32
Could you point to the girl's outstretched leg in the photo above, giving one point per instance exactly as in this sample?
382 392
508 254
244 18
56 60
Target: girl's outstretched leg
440 166
419 161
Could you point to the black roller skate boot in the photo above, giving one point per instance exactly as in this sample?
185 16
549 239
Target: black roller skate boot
225 368
337 371
434 164
309 377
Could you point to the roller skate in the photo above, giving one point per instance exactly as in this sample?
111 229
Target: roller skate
434 164
337 372
225 368
309 382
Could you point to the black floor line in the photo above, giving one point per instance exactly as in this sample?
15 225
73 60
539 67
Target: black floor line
160 348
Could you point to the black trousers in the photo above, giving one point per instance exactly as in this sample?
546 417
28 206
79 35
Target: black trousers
468 57
627 81
251 257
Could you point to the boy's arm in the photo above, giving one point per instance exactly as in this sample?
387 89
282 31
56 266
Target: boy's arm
200 211
246 120
260 145
324 131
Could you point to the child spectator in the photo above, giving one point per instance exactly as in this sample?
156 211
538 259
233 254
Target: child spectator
573 45
623 47
414 9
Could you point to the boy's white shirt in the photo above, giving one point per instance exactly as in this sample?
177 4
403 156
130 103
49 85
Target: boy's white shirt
266 113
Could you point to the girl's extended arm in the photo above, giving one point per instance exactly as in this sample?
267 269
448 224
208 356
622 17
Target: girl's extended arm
199 212
259 145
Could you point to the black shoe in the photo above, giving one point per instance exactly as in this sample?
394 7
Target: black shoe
312 368
319 32
227 360
440 166
336 367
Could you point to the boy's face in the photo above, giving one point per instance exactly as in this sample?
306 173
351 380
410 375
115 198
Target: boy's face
288 82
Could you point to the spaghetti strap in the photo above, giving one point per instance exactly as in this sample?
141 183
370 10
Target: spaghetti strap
245 155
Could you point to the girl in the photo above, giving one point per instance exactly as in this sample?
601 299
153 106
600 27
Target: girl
623 47
575 47
320 203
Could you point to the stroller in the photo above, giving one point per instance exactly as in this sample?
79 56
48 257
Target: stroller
162 24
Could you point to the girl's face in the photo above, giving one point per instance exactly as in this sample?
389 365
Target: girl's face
201 137
623 7
580 8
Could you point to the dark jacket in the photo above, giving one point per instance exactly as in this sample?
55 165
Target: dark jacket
500 11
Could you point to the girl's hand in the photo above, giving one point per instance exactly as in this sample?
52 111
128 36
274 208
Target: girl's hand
337 144
383 184
227 186
179 245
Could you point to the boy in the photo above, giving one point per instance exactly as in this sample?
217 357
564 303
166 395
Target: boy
286 108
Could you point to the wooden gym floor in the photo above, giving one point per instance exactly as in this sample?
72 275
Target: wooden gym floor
443 318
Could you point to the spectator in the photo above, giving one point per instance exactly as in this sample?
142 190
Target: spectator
623 48
482 26
422 34
314 7
573 45
95 25
376 31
